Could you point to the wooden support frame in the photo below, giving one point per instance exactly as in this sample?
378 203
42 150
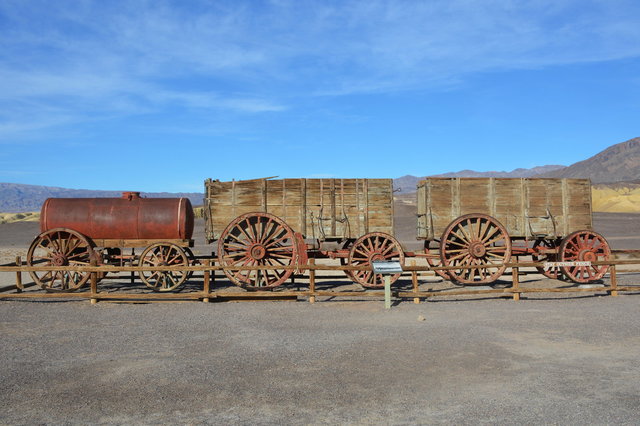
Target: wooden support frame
209 269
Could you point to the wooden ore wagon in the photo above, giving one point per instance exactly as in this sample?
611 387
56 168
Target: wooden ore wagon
486 221
282 222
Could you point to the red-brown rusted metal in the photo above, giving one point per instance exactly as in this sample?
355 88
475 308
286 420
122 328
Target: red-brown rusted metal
374 246
475 239
130 217
581 246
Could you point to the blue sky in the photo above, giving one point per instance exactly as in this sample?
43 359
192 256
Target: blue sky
159 95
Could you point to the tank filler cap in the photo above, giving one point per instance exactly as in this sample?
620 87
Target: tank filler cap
131 195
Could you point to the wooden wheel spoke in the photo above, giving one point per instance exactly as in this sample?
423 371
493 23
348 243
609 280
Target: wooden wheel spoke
69 247
277 241
491 232
498 238
472 230
464 239
376 245
281 249
243 231
391 255
481 232
267 230
463 228
459 256
237 238
235 256
359 250
78 255
234 247
389 248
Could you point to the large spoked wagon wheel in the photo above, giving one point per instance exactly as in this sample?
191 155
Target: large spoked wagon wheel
258 239
542 248
584 246
474 240
61 247
374 246
434 261
163 254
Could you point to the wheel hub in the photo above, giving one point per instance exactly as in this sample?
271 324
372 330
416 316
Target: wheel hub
257 251
59 259
477 249
375 257
588 256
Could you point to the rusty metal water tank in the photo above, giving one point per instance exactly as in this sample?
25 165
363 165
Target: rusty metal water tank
129 217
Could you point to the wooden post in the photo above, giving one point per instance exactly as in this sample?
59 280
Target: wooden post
387 291
19 286
312 281
516 282
414 279
614 280
133 256
94 287
206 285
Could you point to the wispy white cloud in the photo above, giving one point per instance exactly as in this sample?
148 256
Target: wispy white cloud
104 59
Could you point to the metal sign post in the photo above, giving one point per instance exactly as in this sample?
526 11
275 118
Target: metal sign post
387 268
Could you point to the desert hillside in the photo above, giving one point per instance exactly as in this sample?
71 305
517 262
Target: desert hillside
616 199
619 162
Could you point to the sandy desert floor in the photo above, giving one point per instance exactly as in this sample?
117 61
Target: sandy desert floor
553 359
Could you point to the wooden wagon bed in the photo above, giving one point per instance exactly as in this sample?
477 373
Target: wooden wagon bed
316 208
528 208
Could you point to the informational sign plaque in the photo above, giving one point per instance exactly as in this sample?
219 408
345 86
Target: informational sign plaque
566 264
386 267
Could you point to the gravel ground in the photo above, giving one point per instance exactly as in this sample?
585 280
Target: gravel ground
552 358
488 361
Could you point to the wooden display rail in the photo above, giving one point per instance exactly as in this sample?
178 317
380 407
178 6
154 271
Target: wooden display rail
311 294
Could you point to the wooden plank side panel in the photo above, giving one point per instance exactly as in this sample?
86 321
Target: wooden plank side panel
380 205
345 208
508 205
440 205
578 202
424 231
526 207
318 208
537 207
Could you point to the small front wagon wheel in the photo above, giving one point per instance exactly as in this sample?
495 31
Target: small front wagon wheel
584 246
163 254
371 247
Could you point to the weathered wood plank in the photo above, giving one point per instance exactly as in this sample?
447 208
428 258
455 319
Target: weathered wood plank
526 207
317 208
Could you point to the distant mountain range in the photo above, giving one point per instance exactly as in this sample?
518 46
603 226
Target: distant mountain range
407 184
16 197
616 164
